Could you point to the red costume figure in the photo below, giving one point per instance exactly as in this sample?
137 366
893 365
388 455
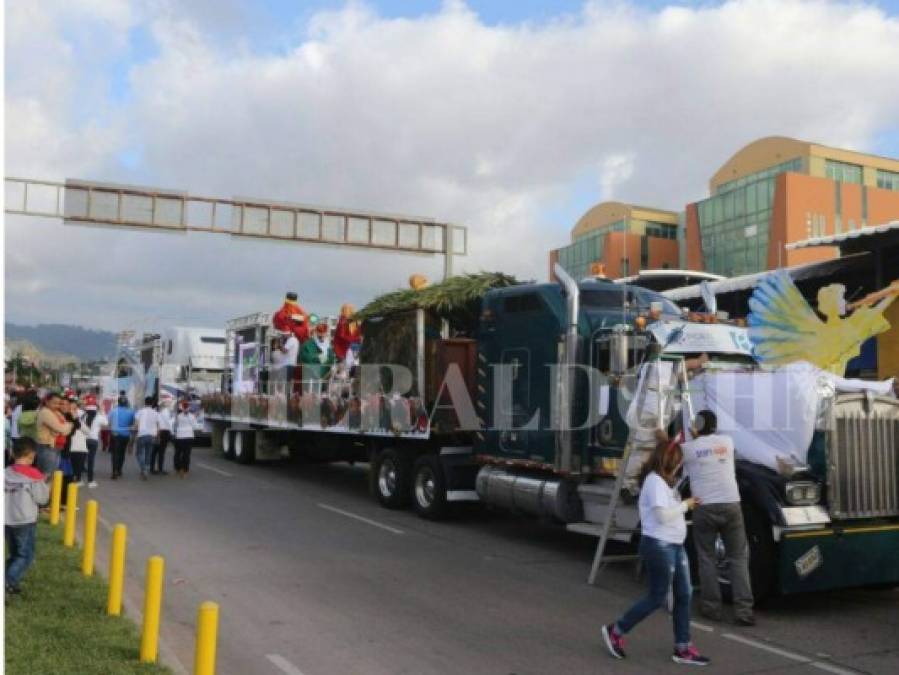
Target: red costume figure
347 332
292 318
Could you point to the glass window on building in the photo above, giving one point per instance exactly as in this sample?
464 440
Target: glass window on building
843 171
888 180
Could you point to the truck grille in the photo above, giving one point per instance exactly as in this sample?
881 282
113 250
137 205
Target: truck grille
863 457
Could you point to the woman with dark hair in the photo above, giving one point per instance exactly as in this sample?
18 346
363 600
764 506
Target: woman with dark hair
663 531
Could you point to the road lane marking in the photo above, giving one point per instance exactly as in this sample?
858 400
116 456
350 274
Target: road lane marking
702 626
212 468
789 655
360 518
283 664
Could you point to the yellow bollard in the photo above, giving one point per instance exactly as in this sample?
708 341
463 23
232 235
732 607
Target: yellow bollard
68 532
90 538
149 639
116 570
55 497
207 631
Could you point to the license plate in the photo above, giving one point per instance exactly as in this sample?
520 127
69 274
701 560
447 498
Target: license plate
808 562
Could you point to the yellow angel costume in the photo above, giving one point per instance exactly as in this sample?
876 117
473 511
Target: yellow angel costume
783 327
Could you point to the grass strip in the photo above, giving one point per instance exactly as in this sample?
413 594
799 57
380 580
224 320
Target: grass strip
58 624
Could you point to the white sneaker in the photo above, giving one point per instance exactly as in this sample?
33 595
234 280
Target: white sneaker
92 484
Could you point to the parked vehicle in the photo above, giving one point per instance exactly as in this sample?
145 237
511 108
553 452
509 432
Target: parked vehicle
550 372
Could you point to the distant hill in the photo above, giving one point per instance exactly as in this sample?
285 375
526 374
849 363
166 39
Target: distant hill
54 338
35 355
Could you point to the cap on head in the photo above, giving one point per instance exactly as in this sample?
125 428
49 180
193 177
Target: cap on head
290 296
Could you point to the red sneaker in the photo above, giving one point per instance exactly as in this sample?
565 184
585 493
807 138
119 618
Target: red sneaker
689 656
614 641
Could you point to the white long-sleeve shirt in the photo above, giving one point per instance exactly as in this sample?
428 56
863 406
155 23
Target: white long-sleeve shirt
93 431
166 418
185 425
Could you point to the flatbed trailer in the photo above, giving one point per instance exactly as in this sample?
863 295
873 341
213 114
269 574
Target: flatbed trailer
521 444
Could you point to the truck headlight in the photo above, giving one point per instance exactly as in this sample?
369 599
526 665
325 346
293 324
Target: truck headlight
803 493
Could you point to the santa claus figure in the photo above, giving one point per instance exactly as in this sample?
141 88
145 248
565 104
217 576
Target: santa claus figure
347 337
292 318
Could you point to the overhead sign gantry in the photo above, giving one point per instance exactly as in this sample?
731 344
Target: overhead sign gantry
85 202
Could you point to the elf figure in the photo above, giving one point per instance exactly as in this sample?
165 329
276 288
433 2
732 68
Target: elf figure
317 357
292 318
347 337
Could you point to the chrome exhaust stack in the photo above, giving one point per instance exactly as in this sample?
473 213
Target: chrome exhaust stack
567 361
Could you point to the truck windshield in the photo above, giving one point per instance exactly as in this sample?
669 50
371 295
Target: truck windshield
635 297
213 340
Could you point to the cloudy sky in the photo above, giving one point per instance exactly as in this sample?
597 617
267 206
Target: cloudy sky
512 118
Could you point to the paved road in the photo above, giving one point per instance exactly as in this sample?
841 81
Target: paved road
314 578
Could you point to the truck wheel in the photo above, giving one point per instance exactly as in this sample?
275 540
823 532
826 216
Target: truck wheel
429 488
228 443
391 476
244 447
762 553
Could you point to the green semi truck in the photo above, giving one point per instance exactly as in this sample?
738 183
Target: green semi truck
521 396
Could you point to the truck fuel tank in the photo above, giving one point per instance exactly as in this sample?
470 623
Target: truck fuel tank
534 495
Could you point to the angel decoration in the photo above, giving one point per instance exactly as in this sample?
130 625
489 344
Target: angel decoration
783 327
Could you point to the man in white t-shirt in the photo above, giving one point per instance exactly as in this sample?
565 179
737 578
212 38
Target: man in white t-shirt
709 463
147 435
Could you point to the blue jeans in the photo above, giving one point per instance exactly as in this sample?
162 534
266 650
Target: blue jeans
145 452
20 548
47 460
664 563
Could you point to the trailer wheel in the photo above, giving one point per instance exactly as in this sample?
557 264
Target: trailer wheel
391 476
429 488
228 443
244 447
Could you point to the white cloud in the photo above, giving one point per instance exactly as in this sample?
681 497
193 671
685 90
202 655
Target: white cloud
440 115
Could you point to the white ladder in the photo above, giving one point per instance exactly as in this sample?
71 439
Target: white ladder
609 526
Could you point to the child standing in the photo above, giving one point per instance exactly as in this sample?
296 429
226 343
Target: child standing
26 491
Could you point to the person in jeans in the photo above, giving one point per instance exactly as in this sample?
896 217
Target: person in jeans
709 462
50 426
147 435
78 444
183 427
663 531
92 421
26 490
157 460
121 420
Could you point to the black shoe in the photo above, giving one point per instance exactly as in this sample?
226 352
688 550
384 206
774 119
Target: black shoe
745 620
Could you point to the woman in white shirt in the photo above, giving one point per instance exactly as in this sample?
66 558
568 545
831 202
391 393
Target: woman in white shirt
184 426
93 421
663 531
